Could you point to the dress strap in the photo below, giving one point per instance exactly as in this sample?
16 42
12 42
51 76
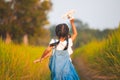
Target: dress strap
54 48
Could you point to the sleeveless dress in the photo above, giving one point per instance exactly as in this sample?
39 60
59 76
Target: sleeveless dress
61 67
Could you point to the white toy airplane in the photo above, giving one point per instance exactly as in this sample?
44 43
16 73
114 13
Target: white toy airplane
69 15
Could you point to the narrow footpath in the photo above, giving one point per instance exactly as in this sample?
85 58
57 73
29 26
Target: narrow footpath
82 69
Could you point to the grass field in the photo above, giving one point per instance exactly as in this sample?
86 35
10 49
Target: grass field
16 63
102 57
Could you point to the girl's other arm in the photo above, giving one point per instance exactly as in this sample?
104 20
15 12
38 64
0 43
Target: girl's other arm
74 35
45 54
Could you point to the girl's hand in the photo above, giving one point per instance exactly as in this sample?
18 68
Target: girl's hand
41 60
38 60
72 21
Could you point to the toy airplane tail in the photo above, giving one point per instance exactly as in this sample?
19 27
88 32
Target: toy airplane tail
69 15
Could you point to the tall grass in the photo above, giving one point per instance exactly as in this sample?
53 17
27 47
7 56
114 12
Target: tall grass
103 57
16 63
109 56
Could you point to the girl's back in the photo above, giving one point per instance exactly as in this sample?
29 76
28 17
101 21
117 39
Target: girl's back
62 45
61 67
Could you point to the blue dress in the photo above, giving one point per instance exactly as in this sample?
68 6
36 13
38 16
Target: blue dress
61 67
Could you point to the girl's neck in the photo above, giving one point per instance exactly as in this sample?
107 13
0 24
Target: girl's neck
62 39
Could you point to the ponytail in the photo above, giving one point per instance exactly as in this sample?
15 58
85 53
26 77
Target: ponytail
66 47
54 44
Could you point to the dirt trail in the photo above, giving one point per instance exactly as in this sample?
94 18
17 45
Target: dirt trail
82 69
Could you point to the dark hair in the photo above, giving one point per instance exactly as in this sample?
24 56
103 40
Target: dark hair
61 30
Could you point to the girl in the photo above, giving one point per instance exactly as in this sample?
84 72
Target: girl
60 50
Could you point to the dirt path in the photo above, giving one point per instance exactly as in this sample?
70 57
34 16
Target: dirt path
82 69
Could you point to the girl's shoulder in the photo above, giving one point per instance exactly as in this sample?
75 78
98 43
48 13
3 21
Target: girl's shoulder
70 42
62 45
53 41
56 40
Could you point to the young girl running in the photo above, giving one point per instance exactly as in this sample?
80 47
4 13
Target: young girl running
60 64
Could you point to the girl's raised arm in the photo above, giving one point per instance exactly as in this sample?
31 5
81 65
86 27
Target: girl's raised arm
74 35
